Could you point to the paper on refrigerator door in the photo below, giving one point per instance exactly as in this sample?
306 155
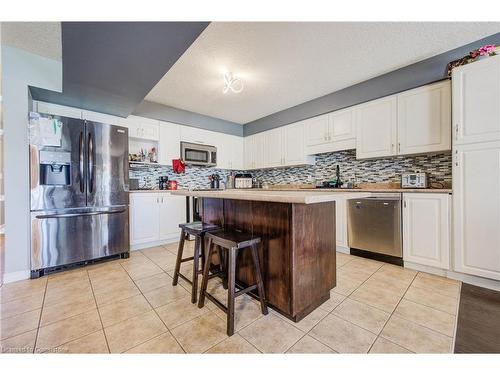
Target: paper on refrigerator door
45 131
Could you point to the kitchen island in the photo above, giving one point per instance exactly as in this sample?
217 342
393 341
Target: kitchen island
297 252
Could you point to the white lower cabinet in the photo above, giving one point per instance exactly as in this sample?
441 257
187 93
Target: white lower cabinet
476 209
426 229
341 225
144 218
172 213
155 217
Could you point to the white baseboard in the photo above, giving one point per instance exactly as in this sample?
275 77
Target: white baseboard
16 276
345 250
469 279
153 244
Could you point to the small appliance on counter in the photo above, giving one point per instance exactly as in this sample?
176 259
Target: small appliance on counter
163 183
133 184
172 185
214 181
243 181
414 181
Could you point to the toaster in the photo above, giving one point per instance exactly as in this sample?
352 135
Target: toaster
414 181
243 181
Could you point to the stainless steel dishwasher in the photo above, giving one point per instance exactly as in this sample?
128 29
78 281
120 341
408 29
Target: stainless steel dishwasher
374 225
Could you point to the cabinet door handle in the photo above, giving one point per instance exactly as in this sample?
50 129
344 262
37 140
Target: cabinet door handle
456 158
399 147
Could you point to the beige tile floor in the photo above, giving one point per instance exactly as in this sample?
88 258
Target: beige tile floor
131 306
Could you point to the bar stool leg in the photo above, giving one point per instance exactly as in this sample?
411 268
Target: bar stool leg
196 265
202 252
180 250
223 265
258 278
231 271
204 280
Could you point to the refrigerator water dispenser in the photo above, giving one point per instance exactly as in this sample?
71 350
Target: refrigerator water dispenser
55 168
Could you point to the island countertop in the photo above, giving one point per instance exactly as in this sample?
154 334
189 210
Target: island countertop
303 196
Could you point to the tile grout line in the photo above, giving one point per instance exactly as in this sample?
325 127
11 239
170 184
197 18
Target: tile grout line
156 313
41 311
329 313
98 311
378 335
390 316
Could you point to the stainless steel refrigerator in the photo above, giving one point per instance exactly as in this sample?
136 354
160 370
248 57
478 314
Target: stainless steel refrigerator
79 194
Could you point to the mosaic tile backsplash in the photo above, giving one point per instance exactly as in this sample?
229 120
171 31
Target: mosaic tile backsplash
194 178
438 166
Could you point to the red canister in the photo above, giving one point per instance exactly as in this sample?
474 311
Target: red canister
172 185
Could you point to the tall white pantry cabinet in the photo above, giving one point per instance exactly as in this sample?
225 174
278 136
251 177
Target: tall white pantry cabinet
476 168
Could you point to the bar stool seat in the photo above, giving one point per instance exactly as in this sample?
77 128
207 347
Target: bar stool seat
198 230
229 243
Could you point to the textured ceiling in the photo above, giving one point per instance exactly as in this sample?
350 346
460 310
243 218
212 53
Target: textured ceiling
285 64
40 38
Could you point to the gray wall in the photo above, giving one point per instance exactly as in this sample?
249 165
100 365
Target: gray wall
411 76
20 69
179 116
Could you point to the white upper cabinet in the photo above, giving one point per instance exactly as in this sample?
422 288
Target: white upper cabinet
58 110
424 119
169 144
254 150
476 101
280 147
317 131
229 151
102 118
426 229
197 135
331 132
273 148
476 208
142 128
236 152
293 145
376 128
342 131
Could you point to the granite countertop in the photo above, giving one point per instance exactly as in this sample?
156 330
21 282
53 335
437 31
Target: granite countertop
388 190
149 191
296 196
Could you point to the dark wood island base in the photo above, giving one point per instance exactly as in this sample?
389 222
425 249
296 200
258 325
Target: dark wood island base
296 254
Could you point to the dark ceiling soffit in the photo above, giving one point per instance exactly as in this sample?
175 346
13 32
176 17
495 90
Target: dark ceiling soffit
179 116
421 73
110 67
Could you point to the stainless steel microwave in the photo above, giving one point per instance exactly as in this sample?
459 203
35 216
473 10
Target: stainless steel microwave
198 154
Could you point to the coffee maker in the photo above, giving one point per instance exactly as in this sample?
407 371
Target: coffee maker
163 185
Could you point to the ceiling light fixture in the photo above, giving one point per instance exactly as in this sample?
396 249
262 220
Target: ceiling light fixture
232 83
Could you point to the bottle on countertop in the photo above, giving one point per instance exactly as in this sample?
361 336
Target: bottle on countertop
230 180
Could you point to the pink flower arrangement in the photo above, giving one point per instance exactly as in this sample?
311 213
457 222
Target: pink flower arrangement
488 49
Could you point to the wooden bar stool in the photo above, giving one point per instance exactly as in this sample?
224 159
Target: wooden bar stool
229 243
198 230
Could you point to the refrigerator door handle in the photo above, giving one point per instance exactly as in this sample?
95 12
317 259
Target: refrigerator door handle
80 165
91 163
56 216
